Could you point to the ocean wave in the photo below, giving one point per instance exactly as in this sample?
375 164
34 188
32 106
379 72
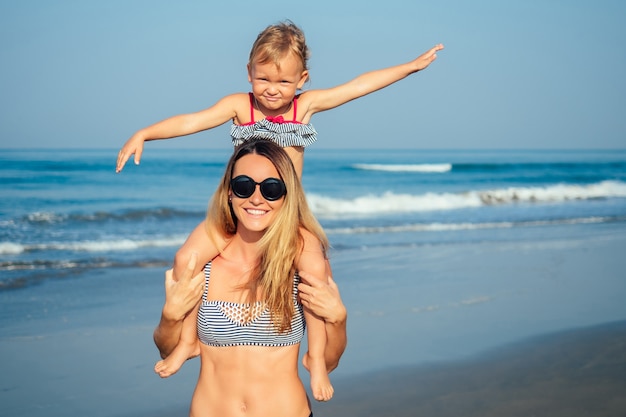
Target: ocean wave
554 193
45 217
75 264
445 227
8 248
537 166
42 270
424 168
475 167
126 244
159 213
390 202
331 207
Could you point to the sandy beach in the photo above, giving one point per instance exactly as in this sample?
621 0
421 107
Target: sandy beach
527 326
579 372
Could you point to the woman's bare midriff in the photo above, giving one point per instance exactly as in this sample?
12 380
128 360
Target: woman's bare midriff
249 381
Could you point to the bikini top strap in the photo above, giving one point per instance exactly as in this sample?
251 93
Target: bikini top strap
295 107
207 274
251 107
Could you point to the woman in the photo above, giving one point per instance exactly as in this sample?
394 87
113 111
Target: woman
249 321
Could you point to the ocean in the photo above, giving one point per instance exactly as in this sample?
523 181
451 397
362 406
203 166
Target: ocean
66 212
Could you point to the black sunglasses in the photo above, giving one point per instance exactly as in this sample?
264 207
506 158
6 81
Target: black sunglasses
271 188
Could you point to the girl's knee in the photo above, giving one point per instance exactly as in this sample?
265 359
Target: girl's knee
181 259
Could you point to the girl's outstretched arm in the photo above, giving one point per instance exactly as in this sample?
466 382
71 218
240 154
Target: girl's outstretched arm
180 125
326 99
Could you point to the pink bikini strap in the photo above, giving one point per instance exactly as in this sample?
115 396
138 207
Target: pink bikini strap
295 107
251 107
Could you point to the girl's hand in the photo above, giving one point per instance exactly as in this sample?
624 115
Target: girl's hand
427 57
134 145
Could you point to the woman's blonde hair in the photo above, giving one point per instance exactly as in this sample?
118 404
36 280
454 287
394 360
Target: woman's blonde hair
276 41
282 242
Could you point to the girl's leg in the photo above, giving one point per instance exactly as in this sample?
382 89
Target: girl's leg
186 348
200 243
316 334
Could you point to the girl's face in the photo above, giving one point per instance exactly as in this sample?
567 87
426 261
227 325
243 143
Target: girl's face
255 213
274 88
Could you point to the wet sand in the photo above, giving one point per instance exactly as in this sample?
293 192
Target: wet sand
580 372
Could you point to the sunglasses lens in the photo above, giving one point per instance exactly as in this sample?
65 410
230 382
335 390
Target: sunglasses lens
243 187
271 189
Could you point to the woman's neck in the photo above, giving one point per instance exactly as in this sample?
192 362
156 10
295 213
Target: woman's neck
243 248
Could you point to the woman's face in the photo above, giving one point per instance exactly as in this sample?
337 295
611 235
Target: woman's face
255 213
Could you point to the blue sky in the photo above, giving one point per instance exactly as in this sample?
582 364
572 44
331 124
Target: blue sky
514 74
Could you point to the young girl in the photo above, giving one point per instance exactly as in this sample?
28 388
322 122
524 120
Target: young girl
277 69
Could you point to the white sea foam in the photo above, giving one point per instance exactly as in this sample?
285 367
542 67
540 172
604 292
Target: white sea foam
475 300
554 193
404 168
106 245
405 203
45 217
8 248
390 203
443 227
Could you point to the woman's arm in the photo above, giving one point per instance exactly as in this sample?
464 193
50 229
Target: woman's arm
180 298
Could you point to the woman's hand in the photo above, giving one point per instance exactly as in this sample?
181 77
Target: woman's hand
322 298
181 296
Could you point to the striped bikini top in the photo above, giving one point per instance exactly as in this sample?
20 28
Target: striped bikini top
222 323
283 132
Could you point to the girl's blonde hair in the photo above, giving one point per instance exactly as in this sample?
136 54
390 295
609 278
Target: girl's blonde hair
276 41
282 242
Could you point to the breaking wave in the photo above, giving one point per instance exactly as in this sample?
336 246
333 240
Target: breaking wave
398 203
